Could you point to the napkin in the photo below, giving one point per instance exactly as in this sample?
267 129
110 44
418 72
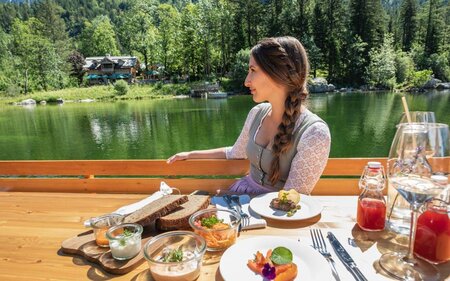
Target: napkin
164 189
255 220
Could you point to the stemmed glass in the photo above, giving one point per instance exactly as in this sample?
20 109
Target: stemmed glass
419 117
412 176
397 207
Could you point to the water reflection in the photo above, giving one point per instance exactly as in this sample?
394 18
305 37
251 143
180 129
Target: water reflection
361 125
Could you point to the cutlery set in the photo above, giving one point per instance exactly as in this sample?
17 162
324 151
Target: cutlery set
237 207
320 245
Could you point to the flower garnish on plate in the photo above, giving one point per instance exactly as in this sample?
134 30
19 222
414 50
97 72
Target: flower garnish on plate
277 265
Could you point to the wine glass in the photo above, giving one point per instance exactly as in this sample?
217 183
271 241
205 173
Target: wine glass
411 175
419 117
398 210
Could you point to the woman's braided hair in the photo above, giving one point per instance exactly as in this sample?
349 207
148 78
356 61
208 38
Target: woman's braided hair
284 60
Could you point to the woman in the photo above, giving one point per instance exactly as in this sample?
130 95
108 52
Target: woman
287 145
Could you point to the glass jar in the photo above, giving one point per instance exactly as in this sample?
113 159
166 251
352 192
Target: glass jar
371 211
102 224
125 240
433 233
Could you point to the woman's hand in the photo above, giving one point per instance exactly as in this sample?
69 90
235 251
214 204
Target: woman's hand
177 157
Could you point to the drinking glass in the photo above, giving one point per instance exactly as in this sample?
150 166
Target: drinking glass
411 175
419 117
398 208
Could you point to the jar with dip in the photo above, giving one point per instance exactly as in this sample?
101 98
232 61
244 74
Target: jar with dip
125 240
175 255
102 224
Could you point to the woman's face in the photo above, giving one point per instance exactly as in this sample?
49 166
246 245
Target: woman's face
261 86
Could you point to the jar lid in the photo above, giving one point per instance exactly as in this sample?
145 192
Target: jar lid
374 165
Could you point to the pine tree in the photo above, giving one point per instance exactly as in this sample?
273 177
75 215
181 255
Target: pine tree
408 22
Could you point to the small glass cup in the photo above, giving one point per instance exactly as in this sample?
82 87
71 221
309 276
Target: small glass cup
221 237
190 248
102 224
125 240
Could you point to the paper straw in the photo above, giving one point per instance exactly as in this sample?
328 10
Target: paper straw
405 106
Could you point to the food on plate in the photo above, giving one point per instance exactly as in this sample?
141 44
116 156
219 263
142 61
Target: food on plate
287 201
179 218
277 265
156 209
216 233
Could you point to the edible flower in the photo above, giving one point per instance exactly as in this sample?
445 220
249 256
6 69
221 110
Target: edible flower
269 271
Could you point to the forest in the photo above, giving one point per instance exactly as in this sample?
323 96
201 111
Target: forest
382 43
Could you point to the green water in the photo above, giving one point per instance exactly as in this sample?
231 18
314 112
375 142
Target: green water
361 125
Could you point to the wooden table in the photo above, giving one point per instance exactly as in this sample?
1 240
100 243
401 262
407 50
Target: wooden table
33 225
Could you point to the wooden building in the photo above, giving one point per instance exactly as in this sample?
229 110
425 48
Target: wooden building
109 69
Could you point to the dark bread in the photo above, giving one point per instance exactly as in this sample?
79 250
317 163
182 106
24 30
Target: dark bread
156 209
179 218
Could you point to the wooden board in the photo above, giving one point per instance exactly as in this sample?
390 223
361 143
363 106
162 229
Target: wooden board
84 245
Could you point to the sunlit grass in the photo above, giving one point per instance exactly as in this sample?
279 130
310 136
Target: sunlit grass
94 92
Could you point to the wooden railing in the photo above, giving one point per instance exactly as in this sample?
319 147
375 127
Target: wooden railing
340 177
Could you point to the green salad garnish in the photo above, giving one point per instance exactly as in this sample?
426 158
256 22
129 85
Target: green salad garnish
174 255
281 255
209 222
126 233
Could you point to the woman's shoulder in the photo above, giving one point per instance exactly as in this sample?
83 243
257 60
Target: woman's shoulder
316 125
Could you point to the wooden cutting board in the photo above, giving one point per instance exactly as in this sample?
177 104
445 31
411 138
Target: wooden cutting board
84 245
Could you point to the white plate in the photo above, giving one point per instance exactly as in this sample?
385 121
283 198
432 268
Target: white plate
309 207
310 264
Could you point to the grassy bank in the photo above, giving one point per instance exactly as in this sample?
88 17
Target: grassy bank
103 93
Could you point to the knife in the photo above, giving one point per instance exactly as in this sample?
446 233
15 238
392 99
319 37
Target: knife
345 258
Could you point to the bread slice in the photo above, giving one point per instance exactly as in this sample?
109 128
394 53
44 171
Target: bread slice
156 209
179 218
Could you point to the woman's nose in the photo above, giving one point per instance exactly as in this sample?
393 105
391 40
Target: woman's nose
247 82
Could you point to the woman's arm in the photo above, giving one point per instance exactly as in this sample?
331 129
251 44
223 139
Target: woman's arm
237 151
312 155
215 153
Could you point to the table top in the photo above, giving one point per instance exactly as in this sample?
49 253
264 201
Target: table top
34 224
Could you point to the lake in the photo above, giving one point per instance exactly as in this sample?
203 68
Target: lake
361 125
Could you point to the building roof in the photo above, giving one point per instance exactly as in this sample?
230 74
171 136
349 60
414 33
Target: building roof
118 61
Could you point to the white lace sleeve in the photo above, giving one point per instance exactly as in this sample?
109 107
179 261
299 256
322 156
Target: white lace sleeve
238 150
307 166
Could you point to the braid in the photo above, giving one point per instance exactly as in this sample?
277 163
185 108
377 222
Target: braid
283 139
284 60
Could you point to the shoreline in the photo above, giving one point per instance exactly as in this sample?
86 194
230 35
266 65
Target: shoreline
139 92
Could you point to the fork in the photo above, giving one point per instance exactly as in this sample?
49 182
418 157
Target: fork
245 218
321 247
227 199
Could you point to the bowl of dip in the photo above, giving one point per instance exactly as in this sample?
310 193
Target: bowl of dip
125 240
219 227
175 255
102 224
